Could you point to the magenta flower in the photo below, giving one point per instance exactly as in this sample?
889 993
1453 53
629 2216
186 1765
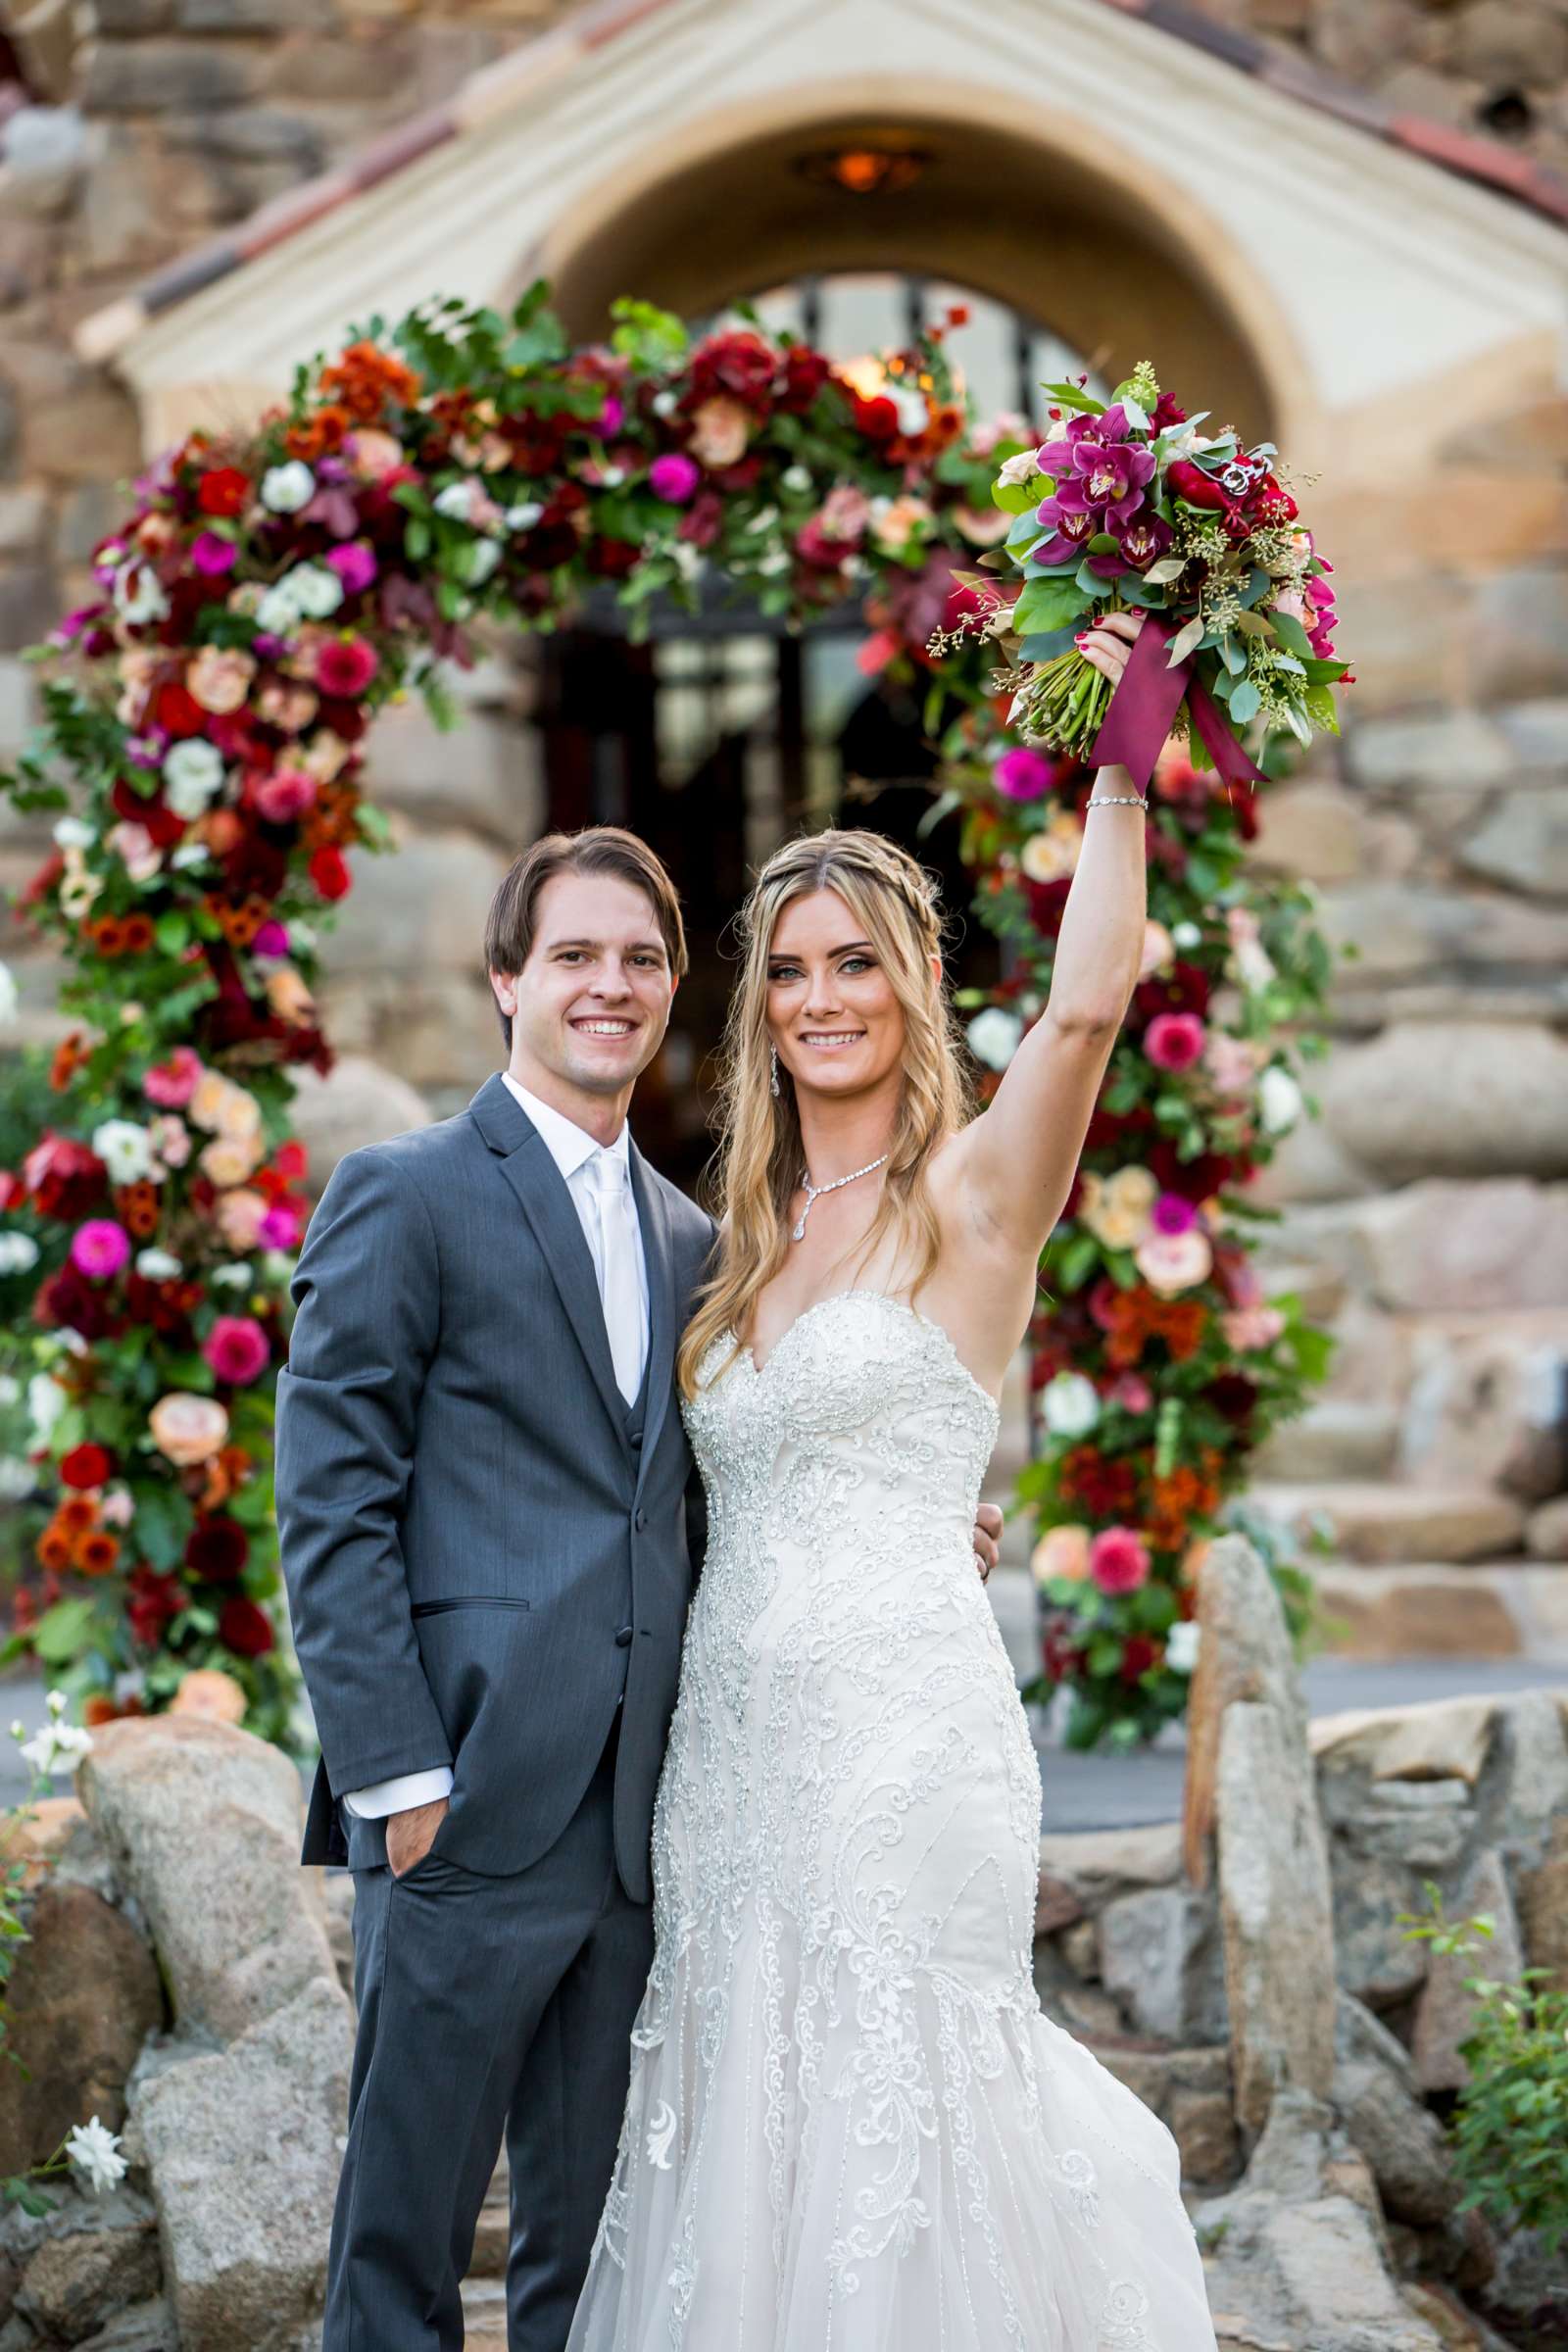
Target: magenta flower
1173 1214
99 1249
237 1349
1072 526
355 565
279 1229
170 1084
283 797
1021 774
213 556
1173 1041
1118 1559
345 667
611 417
1144 541
270 940
674 478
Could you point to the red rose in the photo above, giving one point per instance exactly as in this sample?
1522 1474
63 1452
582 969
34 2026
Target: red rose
877 420
216 1550
330 872
87 1466
290 1162
1191 482
223 491
65 1179
611 558
245 1629
160 821
1138 1655
805 372
179 711
741 363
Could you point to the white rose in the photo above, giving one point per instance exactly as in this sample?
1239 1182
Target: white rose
235 1276
189 854
192 773
1017 470
59 1746
1280 1102
316 591
1186 935
16 1480
523 516
1069 1405
665 404
478 561
277 612
75 833
775 561
1180 1644
46 1401
138 596
9 998
915 411
124 1148
158 1265
995 1036
287 488
797 479
456 500
18 1254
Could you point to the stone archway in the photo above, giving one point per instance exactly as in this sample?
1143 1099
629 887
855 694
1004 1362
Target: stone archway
1009 199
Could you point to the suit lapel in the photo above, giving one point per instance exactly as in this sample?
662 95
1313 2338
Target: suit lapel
662 1305
548 1206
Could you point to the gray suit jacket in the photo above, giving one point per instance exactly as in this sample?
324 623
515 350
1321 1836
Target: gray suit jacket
481 1563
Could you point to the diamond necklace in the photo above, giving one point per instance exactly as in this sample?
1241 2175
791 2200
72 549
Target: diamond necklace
814 1192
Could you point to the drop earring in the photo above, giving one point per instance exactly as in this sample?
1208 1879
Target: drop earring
774 1052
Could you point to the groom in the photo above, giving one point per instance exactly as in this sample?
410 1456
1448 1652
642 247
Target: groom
484 1498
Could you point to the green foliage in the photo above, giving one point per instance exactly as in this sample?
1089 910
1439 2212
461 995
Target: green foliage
1508 2136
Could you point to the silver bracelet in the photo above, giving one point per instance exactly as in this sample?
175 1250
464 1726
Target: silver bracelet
1116 800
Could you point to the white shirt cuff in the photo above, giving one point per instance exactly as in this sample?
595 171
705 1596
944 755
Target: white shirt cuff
397 1796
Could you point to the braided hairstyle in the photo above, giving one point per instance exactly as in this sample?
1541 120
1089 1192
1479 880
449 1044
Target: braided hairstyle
761 1154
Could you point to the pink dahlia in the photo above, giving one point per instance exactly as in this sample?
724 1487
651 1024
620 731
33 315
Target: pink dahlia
345 667
355 565
285 794
674 478
1173 1214
237 1349
100 1247
1173 1041
170 1084
211 555
1118 1559
1021 774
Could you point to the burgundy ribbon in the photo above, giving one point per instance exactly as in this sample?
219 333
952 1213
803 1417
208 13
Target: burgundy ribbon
1143 707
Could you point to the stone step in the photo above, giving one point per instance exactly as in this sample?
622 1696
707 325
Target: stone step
1435 1609
1337 1437
484 2315
1383 1523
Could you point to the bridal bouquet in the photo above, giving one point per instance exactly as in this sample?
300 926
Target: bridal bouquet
1133 506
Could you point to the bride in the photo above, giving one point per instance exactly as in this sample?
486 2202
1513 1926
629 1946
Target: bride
849 2127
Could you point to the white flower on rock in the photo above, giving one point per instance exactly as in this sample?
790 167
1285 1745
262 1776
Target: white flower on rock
94 2151
995 1036
286 488
1069 1405
58 1747
1181 1645
124 1148
1280 1102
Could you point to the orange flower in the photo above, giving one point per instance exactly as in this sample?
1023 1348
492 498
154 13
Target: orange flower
137 1208
69 1054
54 1547
107 935
100 1708
367 380
137 934
321 436
97 1552
76 1514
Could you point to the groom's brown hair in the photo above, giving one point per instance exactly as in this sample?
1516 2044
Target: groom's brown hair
509 930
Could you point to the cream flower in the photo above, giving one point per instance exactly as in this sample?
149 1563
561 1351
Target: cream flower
287 488
1061 1551
240 1217
219 677
135 849
1280 1100
1051 854
1069 1405
995 1036
721 431
1116 1208
188 1430
1159 949
94 2153
1175 1261
325 756
229 1159
1017 470
896 522
124 1148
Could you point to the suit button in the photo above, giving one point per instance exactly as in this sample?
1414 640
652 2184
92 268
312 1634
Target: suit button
623 1637
640 1522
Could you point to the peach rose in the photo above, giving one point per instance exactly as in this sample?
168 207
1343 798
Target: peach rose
240 1217
210 1692
1061 1551
1051 854
372 455
188 1430
229 1159
325 756
289 707
219 677
720 430
1170 1262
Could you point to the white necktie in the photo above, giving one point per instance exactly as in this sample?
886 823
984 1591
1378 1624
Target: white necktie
619 1290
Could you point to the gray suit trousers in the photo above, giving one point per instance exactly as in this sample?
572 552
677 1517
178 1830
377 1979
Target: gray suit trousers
487 2006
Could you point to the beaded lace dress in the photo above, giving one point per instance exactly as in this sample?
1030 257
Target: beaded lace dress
849 2127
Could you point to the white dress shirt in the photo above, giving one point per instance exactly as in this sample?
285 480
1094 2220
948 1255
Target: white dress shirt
599 1181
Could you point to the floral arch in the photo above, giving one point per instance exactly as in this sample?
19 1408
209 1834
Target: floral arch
206 744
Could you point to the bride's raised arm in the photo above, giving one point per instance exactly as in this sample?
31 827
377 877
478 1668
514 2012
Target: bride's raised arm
1015 1162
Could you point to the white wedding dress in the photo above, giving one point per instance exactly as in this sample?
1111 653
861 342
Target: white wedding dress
849 2127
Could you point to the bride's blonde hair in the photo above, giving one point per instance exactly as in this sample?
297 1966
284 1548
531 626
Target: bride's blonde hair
760 1158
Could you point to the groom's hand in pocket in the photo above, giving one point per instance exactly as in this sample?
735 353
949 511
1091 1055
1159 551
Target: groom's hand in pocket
987 1538
410 1836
